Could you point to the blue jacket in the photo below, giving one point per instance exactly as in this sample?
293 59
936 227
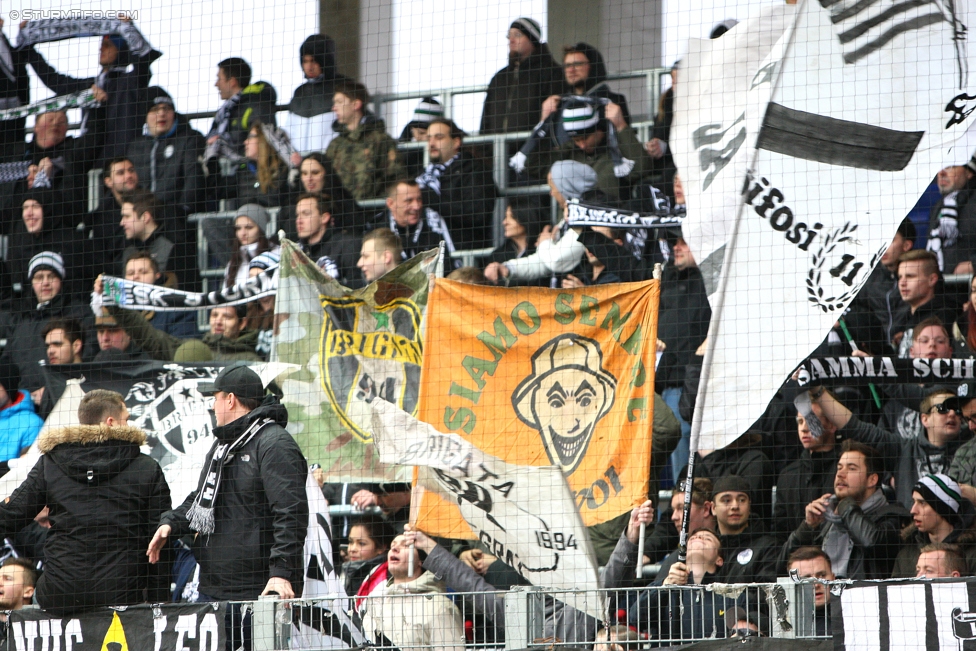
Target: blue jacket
19 426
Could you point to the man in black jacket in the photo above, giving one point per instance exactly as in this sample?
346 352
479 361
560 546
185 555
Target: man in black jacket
165 157
250 506
586 74
418 227
104 498
309 118
750 552
335 252
118 118
516 92
856 526
144 231
458 186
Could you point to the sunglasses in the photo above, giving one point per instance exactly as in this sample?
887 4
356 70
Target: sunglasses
943 409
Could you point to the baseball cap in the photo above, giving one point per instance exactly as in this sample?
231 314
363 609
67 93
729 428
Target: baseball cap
238 379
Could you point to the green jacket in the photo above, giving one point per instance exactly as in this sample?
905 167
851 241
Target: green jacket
365 159
162 346
601 162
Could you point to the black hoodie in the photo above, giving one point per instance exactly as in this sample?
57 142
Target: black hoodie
105 499
314 97
260 513
595 84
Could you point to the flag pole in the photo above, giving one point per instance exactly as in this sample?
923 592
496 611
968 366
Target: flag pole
715 322
643 527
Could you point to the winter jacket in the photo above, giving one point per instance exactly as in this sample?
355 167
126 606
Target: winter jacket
105 499
908 458
260 513
595 84
14 92
941 306
408 621
963 466
175 255
600 160
801 482
337 254
566 623
551 257
309 119
355 573
25 346
516 92
914 540
366 158
683 318
168 167
162 346
428 233
875 534
19 425
120 120
685 614
464 195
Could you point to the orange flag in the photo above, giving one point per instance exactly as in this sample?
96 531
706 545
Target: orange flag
544 377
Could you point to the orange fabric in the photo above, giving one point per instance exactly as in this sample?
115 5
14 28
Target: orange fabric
506 368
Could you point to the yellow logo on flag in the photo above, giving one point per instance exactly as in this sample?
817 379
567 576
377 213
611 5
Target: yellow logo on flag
545 377
115 636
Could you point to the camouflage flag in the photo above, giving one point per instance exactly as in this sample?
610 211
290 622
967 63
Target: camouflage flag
348 344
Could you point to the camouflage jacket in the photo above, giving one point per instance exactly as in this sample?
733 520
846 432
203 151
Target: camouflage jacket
365 159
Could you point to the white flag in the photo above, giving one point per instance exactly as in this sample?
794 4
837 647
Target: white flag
323 622
525 514
862 112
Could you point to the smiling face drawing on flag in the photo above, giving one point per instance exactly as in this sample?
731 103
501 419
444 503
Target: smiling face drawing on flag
564 397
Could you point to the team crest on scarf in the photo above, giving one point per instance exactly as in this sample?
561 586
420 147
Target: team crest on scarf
368 351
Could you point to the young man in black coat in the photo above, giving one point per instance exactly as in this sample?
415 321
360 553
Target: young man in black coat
104 497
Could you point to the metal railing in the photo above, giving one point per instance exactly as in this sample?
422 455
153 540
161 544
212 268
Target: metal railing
529 616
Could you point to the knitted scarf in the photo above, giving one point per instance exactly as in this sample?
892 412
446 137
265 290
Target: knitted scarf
221 120
58 29
81 99
431 177
201 512
552 127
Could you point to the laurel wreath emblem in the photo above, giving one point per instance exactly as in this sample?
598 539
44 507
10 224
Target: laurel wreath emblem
815 289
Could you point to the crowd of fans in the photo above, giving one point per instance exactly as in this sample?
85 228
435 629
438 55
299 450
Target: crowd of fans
832 482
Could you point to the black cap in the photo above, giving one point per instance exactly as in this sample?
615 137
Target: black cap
238 379
730 483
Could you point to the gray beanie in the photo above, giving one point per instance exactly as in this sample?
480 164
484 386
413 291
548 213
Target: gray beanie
572 178
256 214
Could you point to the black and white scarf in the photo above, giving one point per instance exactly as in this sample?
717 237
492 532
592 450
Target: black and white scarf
59 29
552 127
431 177
221 120
201 512
81 99
130 295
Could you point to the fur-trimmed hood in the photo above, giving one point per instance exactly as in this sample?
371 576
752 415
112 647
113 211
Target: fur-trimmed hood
88 435
91 454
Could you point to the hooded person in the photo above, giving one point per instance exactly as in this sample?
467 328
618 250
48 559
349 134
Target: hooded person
166 155
516 92
309 119
41 228
586 74
105 498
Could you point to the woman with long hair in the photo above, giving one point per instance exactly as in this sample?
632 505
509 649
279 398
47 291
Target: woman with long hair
250 241
262 177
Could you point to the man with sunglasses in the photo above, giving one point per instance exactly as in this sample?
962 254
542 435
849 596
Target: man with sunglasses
941 416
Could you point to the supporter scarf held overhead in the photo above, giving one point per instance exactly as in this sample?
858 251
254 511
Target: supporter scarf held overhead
554 127
58 29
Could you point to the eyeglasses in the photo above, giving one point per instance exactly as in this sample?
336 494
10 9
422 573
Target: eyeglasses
944 409
575 64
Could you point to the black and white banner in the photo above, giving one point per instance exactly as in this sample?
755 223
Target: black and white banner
849 371
917 614
840 135
583 214
526 515
130 295
165 627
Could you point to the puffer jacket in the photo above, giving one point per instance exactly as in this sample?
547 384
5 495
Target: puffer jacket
395 612
260 513
105 499
366 158
20 425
